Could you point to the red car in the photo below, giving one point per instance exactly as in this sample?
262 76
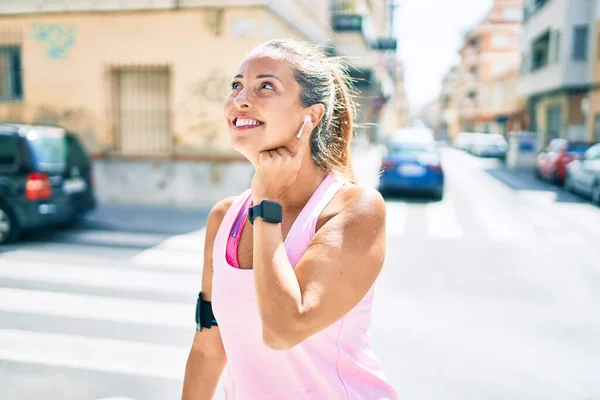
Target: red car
551 164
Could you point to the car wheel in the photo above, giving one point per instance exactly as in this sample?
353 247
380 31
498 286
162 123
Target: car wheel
9 229
596 193
438 194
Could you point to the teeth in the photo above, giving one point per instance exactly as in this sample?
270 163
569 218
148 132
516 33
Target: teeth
246 122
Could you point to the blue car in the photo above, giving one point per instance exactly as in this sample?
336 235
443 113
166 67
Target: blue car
412 164
583 175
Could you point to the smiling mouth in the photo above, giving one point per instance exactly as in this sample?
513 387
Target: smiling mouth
246 123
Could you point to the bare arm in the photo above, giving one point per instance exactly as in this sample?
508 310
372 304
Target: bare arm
335 273
207 356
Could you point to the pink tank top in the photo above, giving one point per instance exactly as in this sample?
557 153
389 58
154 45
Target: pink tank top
335 363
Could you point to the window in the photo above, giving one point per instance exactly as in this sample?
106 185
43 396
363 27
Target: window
11 86
8 153
580 43
540 50
142 108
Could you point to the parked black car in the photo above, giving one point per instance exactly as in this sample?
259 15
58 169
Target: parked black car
45 179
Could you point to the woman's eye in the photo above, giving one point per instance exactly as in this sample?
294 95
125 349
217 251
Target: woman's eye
266 85
235 85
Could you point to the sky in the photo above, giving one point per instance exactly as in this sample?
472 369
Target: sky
429 35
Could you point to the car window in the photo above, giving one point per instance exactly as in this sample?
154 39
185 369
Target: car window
49 152
592 153
8 153
76 153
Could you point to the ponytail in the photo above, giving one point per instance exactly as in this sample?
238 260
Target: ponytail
341 126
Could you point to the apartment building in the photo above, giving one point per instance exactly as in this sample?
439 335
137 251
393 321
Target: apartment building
143 81
592 106
448 105
559 46
490 49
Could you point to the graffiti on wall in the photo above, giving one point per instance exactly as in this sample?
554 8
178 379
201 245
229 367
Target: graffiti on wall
57 38
203 111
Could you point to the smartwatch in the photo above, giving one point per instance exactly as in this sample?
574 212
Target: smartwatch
269 211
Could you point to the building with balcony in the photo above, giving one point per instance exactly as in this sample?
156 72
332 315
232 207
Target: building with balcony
363 35
592 106
143 81
448 105
559 52
490 49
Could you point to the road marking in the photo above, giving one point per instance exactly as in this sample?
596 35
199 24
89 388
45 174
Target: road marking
396 215
103 277
142 312
184 252
441 220
98 354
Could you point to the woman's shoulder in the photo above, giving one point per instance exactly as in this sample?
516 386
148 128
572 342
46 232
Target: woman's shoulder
355 202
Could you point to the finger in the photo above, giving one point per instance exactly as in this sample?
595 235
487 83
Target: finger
273 153
304 141
282 151
263 156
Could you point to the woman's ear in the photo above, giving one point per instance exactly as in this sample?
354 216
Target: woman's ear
316 112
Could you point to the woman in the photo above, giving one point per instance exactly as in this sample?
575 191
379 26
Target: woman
290 265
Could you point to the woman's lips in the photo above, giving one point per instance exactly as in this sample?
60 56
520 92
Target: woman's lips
255 124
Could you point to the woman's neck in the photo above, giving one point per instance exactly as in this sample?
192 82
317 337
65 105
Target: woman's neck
310 176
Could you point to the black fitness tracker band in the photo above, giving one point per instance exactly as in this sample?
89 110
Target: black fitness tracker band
269 211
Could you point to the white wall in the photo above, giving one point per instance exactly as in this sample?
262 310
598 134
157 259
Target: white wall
552 16
578 12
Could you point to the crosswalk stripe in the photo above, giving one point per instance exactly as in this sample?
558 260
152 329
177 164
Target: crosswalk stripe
98 354
104 277
141 312
396 216
185 252
441 220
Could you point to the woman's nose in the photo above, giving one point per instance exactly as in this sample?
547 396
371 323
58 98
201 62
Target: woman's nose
241 100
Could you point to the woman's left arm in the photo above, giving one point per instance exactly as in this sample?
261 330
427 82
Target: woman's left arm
334 274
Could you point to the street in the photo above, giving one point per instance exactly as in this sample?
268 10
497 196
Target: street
492 293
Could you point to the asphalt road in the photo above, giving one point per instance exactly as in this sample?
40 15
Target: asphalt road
492 293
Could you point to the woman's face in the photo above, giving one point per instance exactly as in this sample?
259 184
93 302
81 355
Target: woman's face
263 110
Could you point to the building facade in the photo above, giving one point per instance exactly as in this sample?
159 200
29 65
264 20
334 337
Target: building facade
448 105
143 81
592 106
490 49
559 54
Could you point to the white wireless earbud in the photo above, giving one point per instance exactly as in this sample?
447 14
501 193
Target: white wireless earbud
306 120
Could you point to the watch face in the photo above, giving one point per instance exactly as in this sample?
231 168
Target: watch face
271 211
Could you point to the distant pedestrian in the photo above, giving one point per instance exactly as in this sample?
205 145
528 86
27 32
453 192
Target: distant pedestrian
286 298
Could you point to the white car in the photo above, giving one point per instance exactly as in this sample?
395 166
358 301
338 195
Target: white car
489 145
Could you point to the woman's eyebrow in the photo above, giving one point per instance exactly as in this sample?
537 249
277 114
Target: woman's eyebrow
262 76
268 76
